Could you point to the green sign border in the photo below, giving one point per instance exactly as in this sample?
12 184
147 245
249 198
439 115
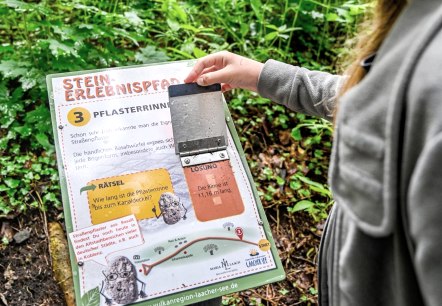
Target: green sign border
245 282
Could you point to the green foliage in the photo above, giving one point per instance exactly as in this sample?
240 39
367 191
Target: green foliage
39 38
255 302
5 241
231 300
27 181
91 298
283 291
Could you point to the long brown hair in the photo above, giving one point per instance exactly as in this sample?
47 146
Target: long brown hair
376 29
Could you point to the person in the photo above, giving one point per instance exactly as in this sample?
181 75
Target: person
382 244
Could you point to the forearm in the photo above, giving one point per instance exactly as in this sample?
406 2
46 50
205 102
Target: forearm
299 89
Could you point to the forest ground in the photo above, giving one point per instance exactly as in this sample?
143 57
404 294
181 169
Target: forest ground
28 276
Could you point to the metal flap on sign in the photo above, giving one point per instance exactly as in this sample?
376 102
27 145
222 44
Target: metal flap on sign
197 115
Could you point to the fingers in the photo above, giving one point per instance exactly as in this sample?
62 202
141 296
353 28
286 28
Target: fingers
207 70
226 87
213 61
202 64
193 76
232 70
217 76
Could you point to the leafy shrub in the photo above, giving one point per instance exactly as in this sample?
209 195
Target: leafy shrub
38 38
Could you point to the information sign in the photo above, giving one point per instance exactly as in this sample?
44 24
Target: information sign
142 227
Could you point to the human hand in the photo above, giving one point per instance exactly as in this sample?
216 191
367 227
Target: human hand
231 70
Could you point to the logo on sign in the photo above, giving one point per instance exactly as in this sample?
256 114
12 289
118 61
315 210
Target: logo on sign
226 265
256 260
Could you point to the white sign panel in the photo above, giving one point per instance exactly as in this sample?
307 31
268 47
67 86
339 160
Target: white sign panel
142 227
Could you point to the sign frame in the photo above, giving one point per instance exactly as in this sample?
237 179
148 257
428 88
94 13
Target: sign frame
201 293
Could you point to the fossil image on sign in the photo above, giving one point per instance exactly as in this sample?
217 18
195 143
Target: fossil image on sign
171 208
120 284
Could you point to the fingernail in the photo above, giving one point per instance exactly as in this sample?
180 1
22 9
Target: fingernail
200 81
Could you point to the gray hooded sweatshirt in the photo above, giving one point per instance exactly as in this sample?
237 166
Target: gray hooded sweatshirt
383 241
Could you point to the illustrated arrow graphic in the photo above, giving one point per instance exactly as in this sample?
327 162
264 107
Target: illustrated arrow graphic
147 268
87 188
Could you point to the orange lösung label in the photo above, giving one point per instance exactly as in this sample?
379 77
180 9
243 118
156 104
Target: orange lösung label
214 191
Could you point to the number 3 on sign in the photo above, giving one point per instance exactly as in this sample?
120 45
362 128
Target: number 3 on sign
79 116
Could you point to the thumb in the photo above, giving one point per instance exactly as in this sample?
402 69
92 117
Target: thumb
220 76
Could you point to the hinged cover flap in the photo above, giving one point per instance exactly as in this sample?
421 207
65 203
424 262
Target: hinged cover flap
197 114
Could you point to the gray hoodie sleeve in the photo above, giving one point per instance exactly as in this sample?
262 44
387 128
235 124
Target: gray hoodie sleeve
299 89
